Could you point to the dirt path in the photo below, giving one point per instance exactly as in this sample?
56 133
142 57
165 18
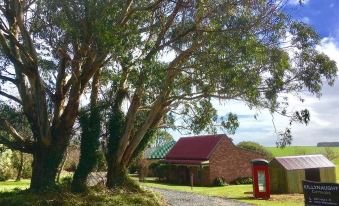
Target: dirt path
176 198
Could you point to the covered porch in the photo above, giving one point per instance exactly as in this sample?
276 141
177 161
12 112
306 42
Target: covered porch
188 172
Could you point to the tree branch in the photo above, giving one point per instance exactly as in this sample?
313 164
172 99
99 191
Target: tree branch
10 97
11 130
8 79
14 145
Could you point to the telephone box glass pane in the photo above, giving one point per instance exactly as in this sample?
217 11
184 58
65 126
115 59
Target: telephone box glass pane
261 181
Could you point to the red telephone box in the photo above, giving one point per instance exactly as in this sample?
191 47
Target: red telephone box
261 178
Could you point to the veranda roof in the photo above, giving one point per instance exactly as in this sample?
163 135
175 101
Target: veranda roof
161 151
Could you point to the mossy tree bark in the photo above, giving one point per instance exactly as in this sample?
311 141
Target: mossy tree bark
90 125
46 161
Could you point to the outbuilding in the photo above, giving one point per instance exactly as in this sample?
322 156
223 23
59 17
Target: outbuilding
287 173
206 158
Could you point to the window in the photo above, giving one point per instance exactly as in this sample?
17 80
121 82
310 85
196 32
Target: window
261 181
312 174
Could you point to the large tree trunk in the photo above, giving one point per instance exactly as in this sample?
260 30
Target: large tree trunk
116 175
90 126
46 161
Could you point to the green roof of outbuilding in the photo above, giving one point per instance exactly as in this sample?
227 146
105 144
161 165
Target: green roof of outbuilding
161 151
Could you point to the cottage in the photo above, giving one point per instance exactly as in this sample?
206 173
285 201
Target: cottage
287 173
205 158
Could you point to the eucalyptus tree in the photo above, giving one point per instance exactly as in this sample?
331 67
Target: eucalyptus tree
192 52
163 56
50 50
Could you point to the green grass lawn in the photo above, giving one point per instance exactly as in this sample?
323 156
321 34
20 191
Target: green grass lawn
235 192
11 185
299 150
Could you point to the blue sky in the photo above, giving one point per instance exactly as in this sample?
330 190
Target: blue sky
323 16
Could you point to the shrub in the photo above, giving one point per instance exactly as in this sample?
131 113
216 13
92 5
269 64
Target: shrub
66 181
256 147
159 170
6 168
242 181
330 154
219 181
133 168
101 162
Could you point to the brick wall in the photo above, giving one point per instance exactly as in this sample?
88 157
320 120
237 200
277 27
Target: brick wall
230 162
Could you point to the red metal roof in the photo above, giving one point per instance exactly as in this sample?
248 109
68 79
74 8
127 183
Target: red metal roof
191 149
304 162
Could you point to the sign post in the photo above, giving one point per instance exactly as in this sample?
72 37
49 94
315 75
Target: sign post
319 193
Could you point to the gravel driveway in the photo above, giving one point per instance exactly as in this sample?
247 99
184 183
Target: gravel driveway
176 198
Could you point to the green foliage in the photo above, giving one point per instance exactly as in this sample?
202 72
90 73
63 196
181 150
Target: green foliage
242 181
90 123
133 167
115 128
253 146
26 164
16 117
146 140
159 170
219 181
6 168
101 162
66 181
223 50
161 137
10 163
331 154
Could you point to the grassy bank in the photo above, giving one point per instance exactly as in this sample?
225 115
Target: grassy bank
300 150
61 196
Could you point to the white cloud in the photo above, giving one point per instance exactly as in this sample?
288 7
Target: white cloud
306 20
329 47
324 119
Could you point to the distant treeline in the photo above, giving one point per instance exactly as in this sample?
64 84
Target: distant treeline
328 144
